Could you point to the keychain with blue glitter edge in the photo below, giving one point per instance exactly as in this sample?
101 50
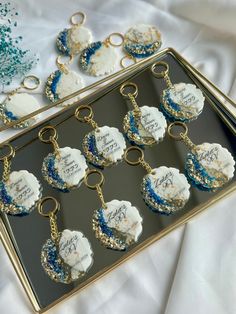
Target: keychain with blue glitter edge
18 104
208 166
62 83
100 58
65 168
164 189
142 40
117 224
181 102
144 125
66 256
19 190
72 41
104 146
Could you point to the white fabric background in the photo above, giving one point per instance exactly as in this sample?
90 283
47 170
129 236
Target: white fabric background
192 270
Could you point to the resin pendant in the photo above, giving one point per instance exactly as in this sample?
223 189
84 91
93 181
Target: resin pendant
64 169
63 83
165 190
67 259
209 166
67 255
72 41
20 193
17 106
98 59
142 40
117 226
145 128
183 102
104 146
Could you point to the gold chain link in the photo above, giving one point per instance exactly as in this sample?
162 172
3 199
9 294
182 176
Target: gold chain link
187 141
6 169
145 165
168 81
92 122
100 195
137 111
55 146
53 225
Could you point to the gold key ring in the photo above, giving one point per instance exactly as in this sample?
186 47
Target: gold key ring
109 39
128 85
11 152
134 162
48 129
30 78
82 18
163 73
100 182
180 136
51 212
86 118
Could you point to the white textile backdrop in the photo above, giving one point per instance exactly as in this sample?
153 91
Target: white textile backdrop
192 270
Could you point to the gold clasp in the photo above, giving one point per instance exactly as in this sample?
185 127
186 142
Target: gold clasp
181 136
7 161
86 119
52 139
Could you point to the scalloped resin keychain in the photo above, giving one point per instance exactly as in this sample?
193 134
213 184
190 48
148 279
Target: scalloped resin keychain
208 166
62 83
65 168
117 224
182 101
72 41
104 146
18 105
100 58
144 125
20 190
142 40
164 189
66 256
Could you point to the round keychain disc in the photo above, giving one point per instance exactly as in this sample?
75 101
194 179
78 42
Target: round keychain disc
117 226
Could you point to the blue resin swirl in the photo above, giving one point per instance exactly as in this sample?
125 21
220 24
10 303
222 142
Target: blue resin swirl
63 42
87 53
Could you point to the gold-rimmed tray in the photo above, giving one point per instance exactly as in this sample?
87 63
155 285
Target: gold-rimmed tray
24 237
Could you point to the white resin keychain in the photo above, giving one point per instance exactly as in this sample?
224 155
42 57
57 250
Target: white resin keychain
65 168
62 83
208 166
142 125
164 189
17 105
104 146
19 190
100 58
117 224
66 256
72 41
180 102
142 40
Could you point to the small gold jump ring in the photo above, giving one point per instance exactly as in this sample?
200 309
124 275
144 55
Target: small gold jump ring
126 85
86 118
131 162
109 39
45 130
30 78
162 73
11 152
177 137
93 186
127 57
78 14
53 211
62 64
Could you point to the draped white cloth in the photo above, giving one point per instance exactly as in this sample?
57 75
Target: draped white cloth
192 270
